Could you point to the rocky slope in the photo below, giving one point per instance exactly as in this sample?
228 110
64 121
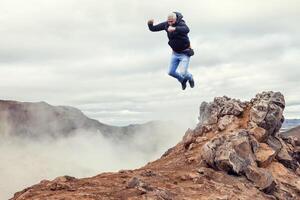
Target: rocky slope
233 153
293 132
41 119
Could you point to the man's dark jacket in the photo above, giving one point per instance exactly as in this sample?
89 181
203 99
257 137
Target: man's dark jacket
178 39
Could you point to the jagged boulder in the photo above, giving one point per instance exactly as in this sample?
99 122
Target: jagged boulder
261 177
234 153
259 133
253 144
267 111
225 121
289 154
221 106
219 114
264 155
231 153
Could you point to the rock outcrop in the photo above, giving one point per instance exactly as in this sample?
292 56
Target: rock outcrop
235 152
247 143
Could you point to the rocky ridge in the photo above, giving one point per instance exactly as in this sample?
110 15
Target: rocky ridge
234 152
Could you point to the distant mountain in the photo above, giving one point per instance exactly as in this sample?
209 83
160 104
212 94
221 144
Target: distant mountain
293 132
42 119
290 123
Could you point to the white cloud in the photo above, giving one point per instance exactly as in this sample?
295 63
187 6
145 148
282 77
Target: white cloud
100 56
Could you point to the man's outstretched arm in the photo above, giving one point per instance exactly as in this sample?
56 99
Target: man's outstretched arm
158 27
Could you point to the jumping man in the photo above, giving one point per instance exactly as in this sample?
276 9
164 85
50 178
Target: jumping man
179 41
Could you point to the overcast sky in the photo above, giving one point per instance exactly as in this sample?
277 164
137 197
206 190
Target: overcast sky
100 57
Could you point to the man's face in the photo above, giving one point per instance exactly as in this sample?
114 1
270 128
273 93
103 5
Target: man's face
171 21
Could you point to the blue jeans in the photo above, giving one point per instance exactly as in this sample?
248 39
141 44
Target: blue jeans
176 60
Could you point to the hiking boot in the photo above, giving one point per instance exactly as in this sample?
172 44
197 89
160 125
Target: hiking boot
191 82
183 84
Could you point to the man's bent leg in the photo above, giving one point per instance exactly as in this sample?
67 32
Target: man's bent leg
185 61
173 67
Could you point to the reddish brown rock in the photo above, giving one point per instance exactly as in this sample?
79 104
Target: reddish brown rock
264 155
262 178
259 133
225 121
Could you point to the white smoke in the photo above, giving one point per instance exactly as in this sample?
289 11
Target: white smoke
24 161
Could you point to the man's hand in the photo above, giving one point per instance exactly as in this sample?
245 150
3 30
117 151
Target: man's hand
151 21
171 29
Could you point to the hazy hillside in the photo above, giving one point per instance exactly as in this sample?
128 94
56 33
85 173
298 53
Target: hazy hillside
41 119
41 141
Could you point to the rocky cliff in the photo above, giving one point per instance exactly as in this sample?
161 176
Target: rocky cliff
234 152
